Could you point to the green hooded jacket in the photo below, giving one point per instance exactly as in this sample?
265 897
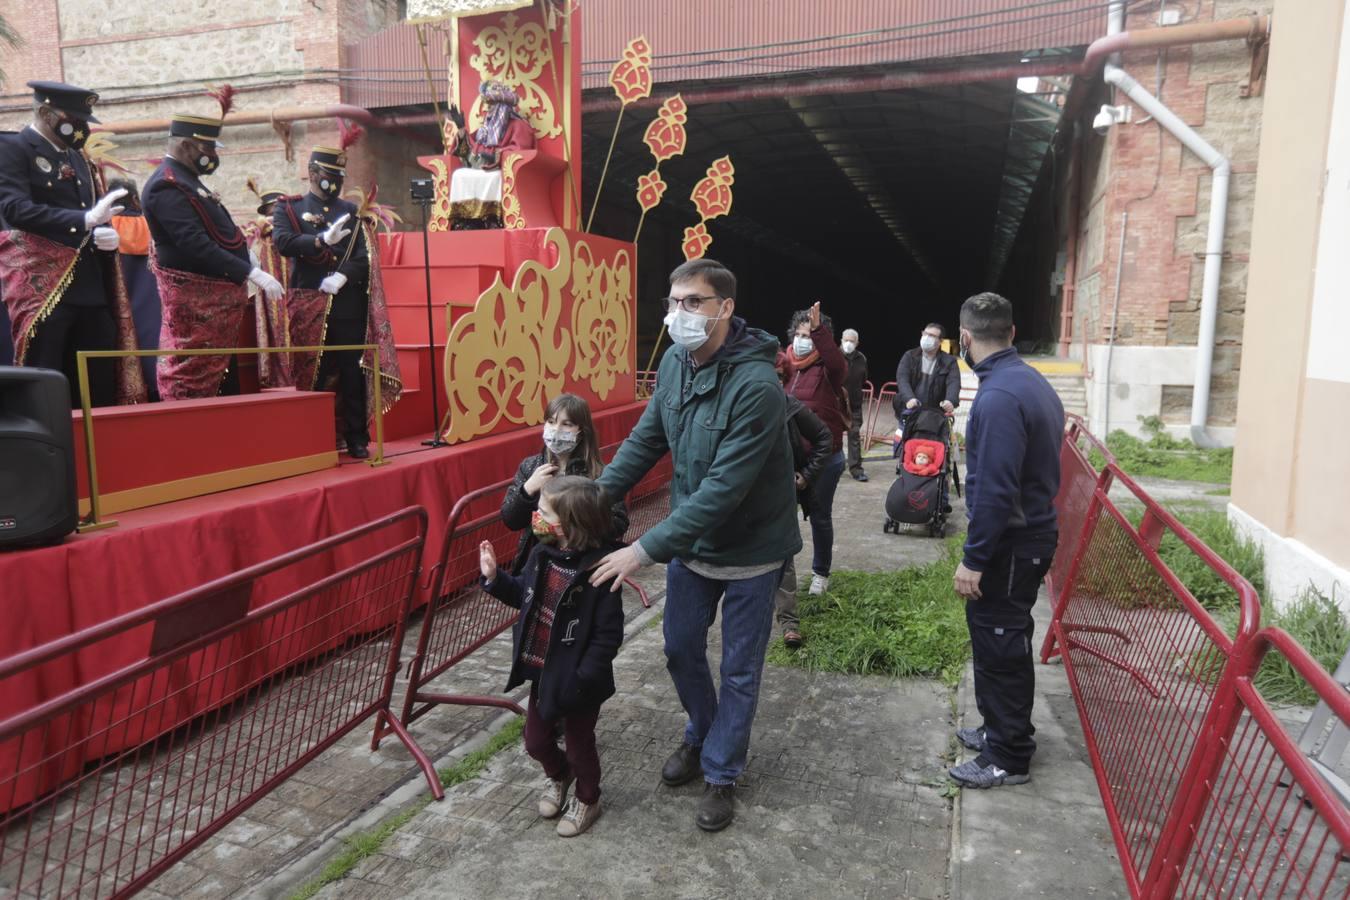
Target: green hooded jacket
732 497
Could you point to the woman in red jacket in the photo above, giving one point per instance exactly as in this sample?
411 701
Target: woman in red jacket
818 370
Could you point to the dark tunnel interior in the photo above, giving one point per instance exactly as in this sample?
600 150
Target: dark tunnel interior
889 207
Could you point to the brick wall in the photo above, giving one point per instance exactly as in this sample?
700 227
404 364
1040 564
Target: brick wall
1140 169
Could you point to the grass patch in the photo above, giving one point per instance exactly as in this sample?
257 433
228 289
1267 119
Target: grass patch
1213 528
360 846
902 623
1313 619
1162 456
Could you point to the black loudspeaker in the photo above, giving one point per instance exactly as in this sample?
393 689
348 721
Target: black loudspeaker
37 459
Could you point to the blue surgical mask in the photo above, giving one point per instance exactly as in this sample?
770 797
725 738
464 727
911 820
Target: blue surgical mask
928 343
803 346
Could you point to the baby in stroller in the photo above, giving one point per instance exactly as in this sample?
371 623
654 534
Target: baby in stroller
919 494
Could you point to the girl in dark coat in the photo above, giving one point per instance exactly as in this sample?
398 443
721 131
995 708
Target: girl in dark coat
816 377
570 448
564 641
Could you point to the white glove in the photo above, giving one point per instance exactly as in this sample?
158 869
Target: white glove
336 232
104 209
106 238
333 283
270 287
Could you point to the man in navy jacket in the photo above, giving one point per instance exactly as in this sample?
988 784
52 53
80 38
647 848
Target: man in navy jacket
1012 476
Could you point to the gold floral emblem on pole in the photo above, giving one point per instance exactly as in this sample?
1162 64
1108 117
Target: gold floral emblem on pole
507 357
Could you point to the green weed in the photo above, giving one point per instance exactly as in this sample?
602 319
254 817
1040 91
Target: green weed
1162 456
902 623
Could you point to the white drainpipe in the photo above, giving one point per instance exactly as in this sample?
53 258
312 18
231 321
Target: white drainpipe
1218 217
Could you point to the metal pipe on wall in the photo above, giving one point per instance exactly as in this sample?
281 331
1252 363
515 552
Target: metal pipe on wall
1218 217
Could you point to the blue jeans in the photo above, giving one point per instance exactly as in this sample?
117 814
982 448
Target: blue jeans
722 728
822 518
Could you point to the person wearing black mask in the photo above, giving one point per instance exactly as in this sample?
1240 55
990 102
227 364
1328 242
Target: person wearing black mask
330 282
57 260
1012 476
201 262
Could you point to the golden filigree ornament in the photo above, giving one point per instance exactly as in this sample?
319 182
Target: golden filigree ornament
505 359
696 241
438 217
517 55
631 76
512 217
665 136
712 195
602 294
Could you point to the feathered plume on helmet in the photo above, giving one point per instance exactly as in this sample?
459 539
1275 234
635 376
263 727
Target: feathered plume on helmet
224 95
348 134
378 215
99 150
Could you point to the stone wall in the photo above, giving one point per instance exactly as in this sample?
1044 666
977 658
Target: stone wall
1140 169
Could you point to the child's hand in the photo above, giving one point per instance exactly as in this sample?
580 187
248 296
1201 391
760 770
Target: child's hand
487 560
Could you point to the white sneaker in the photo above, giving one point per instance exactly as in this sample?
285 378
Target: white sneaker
820 584
579 817
554 796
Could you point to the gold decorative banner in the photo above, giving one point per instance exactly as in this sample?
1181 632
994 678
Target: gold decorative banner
516 54
696 241
631 76
665 136
512 218
651 188
712 195
602 293
505 359
631 79
438 217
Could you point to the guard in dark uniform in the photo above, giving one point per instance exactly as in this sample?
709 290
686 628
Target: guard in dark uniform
48 189
320 231
201 262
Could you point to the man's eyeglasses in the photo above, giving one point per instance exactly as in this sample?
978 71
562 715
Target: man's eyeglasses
691 303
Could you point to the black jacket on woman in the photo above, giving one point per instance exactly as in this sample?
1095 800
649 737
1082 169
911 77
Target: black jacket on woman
518 507
811 443
587 631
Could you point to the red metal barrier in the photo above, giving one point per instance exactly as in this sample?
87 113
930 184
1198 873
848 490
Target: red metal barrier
883 399
1205 792
463 617
1148 667
242 682
1267 822
1078 480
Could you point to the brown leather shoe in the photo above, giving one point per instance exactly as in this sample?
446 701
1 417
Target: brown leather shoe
793 638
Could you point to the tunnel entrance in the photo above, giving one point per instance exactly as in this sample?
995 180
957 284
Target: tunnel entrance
891 207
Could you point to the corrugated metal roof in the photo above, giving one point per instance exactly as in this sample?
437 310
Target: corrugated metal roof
697 40
703 39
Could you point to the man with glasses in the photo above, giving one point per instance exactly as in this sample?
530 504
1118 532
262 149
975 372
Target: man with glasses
58 261
719 410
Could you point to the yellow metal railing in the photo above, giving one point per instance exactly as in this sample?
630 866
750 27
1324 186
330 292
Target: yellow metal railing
94 521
